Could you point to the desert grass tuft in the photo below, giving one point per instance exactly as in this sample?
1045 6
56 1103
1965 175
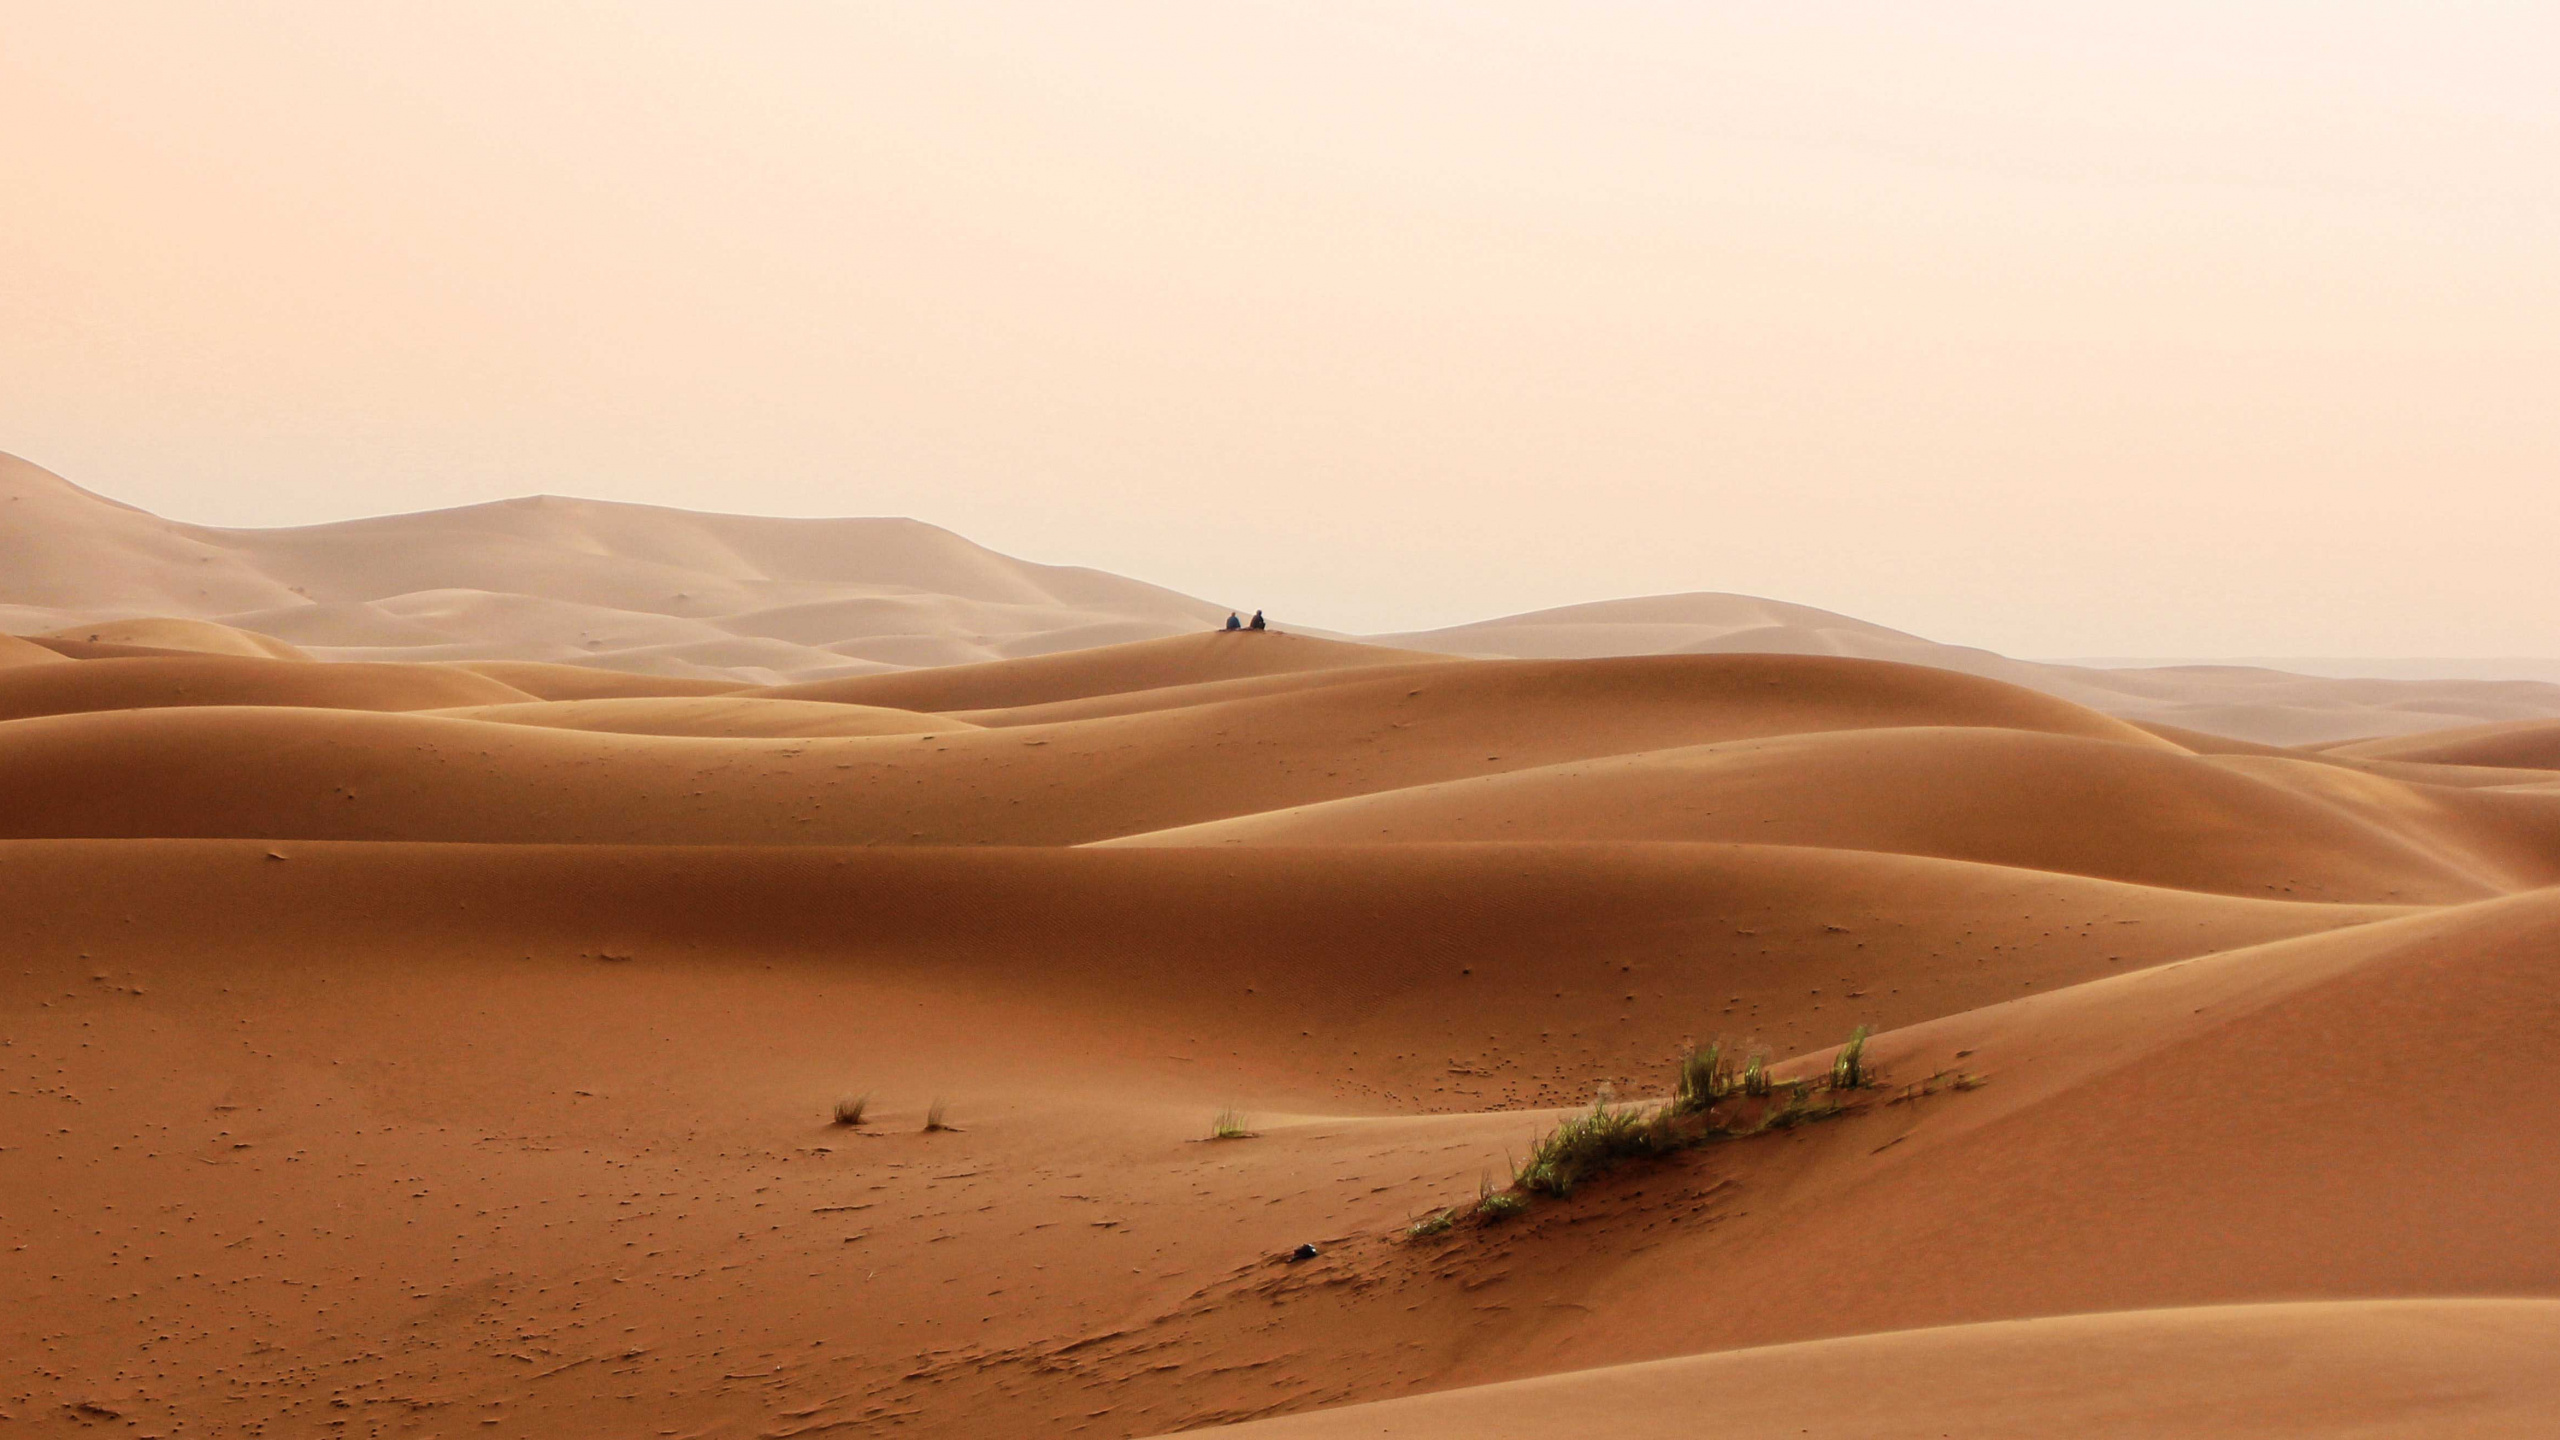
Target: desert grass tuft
1704 1079
1755 1075
1849 1067
1436 1223
1229 1125
849 1109
1495 1206
1592 1141
933 1116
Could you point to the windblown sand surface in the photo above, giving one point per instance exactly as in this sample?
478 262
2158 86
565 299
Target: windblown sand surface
445 1048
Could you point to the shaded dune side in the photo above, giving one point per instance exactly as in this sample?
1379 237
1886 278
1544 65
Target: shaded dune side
712 715
357 776
1546 968
1102 670
2412 1368
183 681
2003 797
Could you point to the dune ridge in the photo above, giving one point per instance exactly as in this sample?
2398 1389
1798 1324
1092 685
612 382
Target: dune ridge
768 602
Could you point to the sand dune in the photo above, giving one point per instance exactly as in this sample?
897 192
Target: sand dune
582 682
2396 1368
2252 703
629 587
1125 670
1073 1005
15 652
2514 745
421 1046
187 681
745 601
367 776
2038 801
742 717
198 636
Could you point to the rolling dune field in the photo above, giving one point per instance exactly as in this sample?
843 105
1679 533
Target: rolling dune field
437 1048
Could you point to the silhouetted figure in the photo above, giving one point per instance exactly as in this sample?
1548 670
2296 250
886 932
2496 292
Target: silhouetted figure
1232 622
1257 621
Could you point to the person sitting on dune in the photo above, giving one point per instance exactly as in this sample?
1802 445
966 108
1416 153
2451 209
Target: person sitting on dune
1257 621
1232 622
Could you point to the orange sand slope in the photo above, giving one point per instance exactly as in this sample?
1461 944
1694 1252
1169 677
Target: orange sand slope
730 716
2431 1368
185 682
430 1048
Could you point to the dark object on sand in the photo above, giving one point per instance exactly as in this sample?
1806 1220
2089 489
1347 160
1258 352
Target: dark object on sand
1303 1252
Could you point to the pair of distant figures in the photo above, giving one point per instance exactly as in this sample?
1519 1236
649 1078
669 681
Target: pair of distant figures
1255 624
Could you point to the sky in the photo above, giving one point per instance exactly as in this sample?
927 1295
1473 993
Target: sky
2177 329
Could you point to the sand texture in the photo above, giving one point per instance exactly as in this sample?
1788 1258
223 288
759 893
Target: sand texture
430 1048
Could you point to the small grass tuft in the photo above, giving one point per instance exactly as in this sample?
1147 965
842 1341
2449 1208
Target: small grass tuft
1496 1206
849 1109
1436 1223
1229 1126
1592 1141
933 1116
1703 1080
1755 1075
1849 1067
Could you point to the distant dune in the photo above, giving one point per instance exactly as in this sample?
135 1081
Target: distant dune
856 608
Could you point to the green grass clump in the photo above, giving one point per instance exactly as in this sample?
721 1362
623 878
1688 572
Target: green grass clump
1595 1140
1229 1126
1849 1067
849 1109
1704 1078
1755 1075
1496 1206
1436 1223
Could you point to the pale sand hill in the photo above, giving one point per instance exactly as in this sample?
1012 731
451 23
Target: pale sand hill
2247 702
746 601
627 586
2516 745
2358 1371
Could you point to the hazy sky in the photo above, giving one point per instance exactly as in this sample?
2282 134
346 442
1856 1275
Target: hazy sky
2058 328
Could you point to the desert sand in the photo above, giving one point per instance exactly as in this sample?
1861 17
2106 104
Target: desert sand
446 1035
544 585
